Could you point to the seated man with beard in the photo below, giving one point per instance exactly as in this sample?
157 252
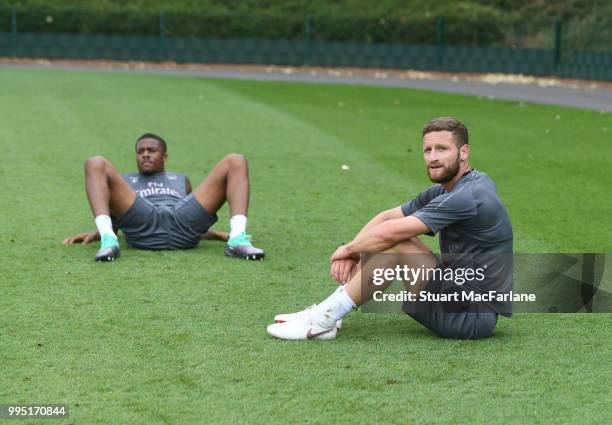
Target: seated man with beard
464 207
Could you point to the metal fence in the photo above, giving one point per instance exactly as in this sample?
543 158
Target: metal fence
308 51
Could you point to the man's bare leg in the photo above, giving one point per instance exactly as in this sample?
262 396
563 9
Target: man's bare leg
422 257
108 194
229 181
320 321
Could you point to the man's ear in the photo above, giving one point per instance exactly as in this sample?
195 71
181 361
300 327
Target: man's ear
464 152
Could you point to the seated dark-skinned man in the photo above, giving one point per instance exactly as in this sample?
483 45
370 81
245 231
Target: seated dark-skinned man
158 210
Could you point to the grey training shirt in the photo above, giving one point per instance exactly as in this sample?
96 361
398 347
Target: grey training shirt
473 223
161 189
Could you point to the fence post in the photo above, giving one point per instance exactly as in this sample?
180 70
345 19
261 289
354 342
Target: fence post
440 40
308 40
557 52
162 34
13 47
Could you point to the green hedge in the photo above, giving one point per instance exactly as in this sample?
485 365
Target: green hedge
508 23
470 29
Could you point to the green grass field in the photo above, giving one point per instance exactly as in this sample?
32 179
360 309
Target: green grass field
179 337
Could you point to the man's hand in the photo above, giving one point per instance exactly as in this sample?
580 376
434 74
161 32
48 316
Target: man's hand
343 264
343 253
86 237
215 235
343 270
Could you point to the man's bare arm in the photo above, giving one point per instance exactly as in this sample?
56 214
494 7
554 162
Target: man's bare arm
392 214
342 270
381 237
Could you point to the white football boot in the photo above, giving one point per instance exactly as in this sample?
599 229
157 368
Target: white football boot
308 326
288 317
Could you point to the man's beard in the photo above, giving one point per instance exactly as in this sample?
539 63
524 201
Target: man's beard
449 173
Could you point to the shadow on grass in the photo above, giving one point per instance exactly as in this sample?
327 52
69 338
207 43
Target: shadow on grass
396 327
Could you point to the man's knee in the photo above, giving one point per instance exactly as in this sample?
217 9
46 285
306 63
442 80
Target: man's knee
235 160
410 246
95 163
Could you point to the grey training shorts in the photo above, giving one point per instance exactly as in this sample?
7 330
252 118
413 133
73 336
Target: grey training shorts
147 226
466 325
452 321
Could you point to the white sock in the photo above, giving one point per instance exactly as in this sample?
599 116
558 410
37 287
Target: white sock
237 225
337 305
104 225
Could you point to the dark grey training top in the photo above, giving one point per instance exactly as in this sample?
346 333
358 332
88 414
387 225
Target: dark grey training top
472 220
161 189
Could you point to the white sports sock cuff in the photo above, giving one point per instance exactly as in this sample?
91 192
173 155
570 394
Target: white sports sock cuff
237 225
104 225
346 301
337 305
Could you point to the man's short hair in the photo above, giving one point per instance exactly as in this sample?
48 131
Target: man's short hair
153 136
457 129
